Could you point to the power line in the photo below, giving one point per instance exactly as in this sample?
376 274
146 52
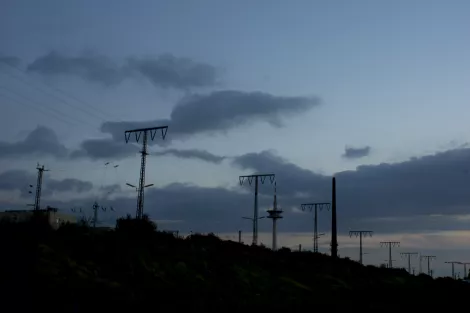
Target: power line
390 244
26 81
256 178
74 119
38 109
360 234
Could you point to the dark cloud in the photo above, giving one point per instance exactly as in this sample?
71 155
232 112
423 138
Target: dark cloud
356 153
163 71
192 154
67 185
10 60
99 149
42 141
170 71
219 112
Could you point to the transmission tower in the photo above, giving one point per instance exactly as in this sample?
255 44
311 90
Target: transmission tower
465 273
453 270
37 201
360 234
390 244
138 133
314 207
408 255
275 214
429 258
256 178
388 265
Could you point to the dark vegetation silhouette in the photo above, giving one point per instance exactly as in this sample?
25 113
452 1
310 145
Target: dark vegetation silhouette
135 268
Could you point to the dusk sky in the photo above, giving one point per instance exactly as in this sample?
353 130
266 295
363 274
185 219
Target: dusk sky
373 92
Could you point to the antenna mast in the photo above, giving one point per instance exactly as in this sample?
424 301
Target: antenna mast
37 201
143 152
275 214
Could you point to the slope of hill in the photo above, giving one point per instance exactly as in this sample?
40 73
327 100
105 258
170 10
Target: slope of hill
134 268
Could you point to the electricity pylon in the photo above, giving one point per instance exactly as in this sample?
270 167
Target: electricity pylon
409 255
465 273
143 152
256 178
453 270
390 244
360 233
314 207
429 258
37 201
275 213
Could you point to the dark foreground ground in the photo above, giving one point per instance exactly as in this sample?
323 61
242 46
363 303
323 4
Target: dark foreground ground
136 269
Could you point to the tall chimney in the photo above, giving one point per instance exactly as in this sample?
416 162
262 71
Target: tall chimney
334 231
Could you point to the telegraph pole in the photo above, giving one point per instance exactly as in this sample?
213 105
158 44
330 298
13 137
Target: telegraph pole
409 255
453 271
256 178
138 133
360 233
314 207
239 236
275 214
429 258
37 201
390 244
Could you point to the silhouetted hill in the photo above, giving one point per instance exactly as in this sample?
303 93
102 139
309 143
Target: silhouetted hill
134 269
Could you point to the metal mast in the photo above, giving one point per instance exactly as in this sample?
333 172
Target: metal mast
314 207
465 274
360 233
453 269
256 178
408 255
275 214
138 133
390 244
37 201
429 258
334 230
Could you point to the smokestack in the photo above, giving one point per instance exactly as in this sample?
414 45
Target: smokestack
334 231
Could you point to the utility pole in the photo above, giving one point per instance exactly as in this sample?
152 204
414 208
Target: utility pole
465 273
413 268
453 270
314 207
409 255
37 201
256 178
275 214
390 244
429 258
143 152
300 247
239 236
334 230
360 233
